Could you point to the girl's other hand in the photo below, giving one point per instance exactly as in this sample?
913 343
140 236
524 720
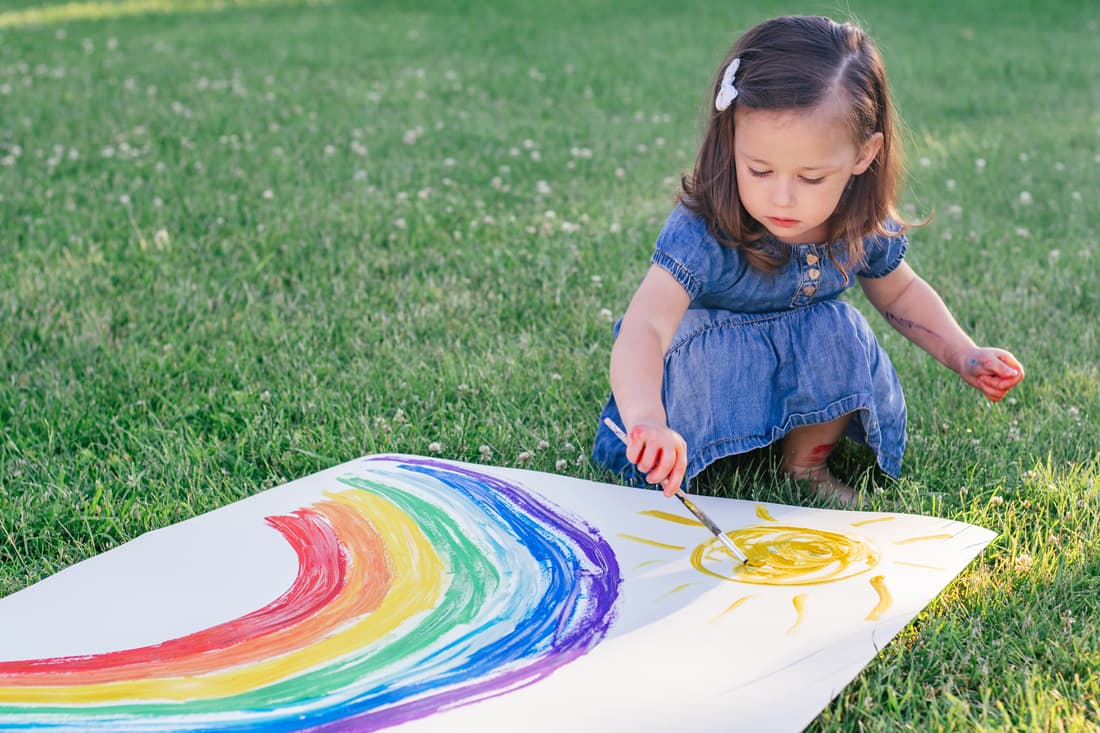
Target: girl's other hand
993 372
660 453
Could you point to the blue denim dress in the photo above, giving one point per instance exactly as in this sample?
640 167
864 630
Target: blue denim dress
758 354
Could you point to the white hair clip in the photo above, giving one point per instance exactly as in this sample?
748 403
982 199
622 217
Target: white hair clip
727 92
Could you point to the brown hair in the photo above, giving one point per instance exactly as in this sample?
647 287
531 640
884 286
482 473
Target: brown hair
796 63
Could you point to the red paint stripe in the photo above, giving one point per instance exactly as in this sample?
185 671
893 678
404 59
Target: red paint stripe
323 562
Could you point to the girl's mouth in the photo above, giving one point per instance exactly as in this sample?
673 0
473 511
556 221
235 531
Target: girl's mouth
779 221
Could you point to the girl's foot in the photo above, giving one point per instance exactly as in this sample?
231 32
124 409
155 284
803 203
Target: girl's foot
825 485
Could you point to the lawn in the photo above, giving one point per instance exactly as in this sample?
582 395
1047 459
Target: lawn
245 241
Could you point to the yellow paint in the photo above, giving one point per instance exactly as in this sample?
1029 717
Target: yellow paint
669 517
885 600
763 513
909 540
93 10
864 522
799 602
647 563
918 565
652 543
677 589
730 607
419 577
782 555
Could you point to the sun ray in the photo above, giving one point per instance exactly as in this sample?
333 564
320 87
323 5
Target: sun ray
730 607
919 565
799 602
677 589
763 513
909 540
864 522
651 543
885 598
669 517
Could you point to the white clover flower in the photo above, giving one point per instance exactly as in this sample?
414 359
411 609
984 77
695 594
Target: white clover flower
1025 198
400 223
996 500
542 187
161 238
524 456
1023 563
605 313
435 447
620 173
543 445
561 464
485 451
980 164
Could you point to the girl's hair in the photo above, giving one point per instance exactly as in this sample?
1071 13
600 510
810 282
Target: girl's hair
797 63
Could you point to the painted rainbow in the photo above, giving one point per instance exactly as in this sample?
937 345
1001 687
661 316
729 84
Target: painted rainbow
421 586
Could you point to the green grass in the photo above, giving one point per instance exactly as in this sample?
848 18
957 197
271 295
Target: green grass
240 245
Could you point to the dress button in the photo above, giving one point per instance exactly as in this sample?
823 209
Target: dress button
809 290
814 274
811 259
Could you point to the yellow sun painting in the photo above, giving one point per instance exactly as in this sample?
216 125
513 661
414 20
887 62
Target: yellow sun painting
786 555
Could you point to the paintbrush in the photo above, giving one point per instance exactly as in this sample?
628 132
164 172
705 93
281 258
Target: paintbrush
707 521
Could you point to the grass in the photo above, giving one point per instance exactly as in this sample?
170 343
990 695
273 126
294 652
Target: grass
243 242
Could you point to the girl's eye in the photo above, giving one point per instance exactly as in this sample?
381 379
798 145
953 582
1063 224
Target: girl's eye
813 181
758 174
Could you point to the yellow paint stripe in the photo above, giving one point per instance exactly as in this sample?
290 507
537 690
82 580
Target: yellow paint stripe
865 522
763 513
918 565
669 517
651 543
885 599
925 538
418 579
799 602
731 606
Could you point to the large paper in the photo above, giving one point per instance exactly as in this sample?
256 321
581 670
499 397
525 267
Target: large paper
426 595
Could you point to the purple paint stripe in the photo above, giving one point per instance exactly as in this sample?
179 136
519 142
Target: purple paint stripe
579 636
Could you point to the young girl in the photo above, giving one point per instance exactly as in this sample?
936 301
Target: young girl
736 337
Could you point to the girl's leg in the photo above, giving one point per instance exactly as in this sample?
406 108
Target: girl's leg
805 450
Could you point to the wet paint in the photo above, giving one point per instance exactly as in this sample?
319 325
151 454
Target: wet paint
885 599
781 555
652 543
763 513
865 522
925 538
799 602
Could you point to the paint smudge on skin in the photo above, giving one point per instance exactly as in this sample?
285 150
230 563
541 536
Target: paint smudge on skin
904 324
925 538
885 599
730 607
763 513
820 453
799 602
865 522
780 555
404 578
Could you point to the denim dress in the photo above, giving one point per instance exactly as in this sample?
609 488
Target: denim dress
758 354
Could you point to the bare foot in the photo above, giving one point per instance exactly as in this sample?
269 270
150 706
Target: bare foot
825 485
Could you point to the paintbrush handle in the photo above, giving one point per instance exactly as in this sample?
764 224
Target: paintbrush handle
699 514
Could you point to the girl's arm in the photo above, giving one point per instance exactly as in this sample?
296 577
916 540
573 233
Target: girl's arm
637 373
914 308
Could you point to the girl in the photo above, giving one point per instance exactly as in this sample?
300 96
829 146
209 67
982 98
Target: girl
736 337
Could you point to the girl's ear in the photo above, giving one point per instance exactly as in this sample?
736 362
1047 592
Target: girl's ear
867 153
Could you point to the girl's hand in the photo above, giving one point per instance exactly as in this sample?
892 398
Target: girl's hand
660 453
993 372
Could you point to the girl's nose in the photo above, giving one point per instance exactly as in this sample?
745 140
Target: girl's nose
782 195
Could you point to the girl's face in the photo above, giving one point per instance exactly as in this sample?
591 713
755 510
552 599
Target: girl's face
792 167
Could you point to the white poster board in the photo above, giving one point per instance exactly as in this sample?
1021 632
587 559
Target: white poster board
426 595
